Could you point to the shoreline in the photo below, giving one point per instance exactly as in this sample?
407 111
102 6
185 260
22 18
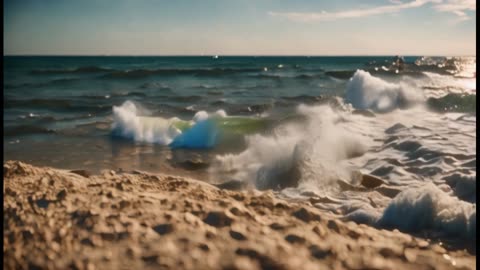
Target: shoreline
57 219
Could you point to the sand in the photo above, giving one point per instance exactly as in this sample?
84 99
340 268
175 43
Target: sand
58 219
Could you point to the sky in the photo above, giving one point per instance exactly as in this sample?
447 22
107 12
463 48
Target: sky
239 27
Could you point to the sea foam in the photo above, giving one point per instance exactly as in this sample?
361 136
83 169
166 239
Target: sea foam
201 132
422 208
428 207
129 124
365 91
296 154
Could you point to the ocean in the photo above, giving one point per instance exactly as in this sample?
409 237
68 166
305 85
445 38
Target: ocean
306 127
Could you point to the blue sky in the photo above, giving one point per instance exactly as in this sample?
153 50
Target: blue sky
240 27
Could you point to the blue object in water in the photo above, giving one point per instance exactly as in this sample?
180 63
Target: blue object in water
203 134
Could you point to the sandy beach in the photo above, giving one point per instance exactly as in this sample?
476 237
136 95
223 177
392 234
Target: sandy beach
301 135
59 219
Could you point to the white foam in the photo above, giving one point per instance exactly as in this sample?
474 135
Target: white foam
129 124
311 150
129 121
200 116
203 115
428 207
365 91
220 113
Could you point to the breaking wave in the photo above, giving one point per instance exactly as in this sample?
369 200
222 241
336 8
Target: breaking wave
365 91
203 131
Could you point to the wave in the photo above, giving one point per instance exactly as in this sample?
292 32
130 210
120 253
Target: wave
252 108
409 70
203 131
424 208
38 118
107 96
37 102
25 130
454 103
428 207
309 76
340 74
296 153
86 69
269 76
464 186
154 85
40 84
306 99
140 73
367 92
24 85
54 104
206 86
442 65
127 124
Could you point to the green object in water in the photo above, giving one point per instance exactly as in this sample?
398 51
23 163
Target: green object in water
237 125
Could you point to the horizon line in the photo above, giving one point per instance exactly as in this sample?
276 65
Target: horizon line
238 55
